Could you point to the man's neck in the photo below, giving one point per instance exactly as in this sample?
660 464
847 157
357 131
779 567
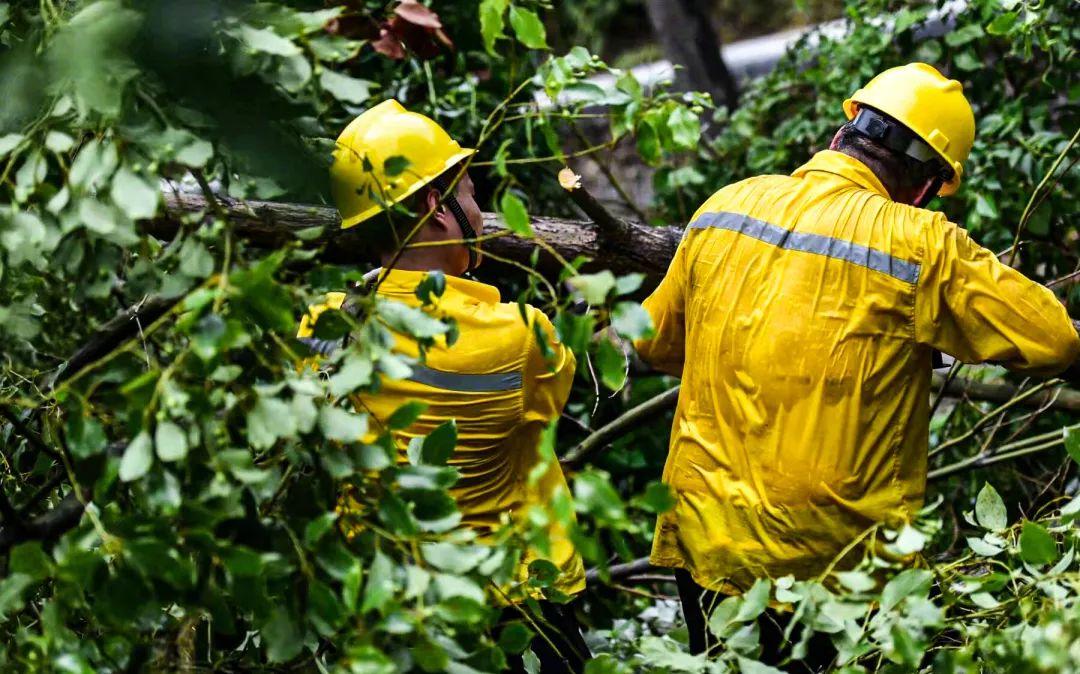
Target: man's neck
420 260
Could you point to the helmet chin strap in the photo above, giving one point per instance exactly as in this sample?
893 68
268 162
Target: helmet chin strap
467 231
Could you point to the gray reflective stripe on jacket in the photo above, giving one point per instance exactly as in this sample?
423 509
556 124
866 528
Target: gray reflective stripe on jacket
464 382
806 242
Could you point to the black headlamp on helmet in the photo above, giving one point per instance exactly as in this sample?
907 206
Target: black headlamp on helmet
888 132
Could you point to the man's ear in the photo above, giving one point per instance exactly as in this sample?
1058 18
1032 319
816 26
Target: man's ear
433 205
835 140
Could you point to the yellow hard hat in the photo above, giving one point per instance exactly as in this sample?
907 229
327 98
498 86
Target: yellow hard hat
932 106
360 181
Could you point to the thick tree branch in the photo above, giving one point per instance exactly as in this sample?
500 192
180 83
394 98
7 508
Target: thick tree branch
114 332
621 245
45 527
1063 399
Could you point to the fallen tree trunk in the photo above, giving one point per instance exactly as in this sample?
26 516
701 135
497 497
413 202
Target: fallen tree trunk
632 247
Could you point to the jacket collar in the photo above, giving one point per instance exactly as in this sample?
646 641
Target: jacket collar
404 282
848 168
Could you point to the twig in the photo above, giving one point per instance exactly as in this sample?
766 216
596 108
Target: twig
24 431
1028 209
620 571
623 424
1019 448
989 416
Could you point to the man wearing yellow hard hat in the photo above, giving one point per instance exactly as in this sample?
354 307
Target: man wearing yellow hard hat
810 305
400 175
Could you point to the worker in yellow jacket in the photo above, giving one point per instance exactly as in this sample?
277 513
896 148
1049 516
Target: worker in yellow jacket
810 305
495 380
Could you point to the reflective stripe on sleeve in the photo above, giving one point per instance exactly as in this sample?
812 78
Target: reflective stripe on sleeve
465 383
810 243
323 347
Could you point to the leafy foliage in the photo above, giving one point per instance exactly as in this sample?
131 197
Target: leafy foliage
174 474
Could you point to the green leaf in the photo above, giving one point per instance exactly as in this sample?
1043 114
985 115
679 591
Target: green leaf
907 583
515 637
195 259
57 141
97 217
342 425
1002 23
1037 545
269 420
380 583
11 593
611 362
748 666
138 457
593 288
856 581
514 215
404 416
396 165
431 287
439 445
963 35
492 13
171 441
410 320
685 128
594 494
990 509
648 142
9 142
528 28
30 559
195 154
754 601
631 321
133 195
347 89
89 55
85 436
281 636
656 498
267 41
356 372
982 548
1072 442
968 60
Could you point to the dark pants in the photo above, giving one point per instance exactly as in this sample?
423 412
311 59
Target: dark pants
697 602
563 651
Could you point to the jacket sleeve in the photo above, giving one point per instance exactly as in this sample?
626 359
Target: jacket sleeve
548 372
977 309
666 349
306 333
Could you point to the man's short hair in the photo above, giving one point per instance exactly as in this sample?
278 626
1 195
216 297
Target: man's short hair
896 170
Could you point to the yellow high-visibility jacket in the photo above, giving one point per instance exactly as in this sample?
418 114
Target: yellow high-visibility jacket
496 383
809 306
